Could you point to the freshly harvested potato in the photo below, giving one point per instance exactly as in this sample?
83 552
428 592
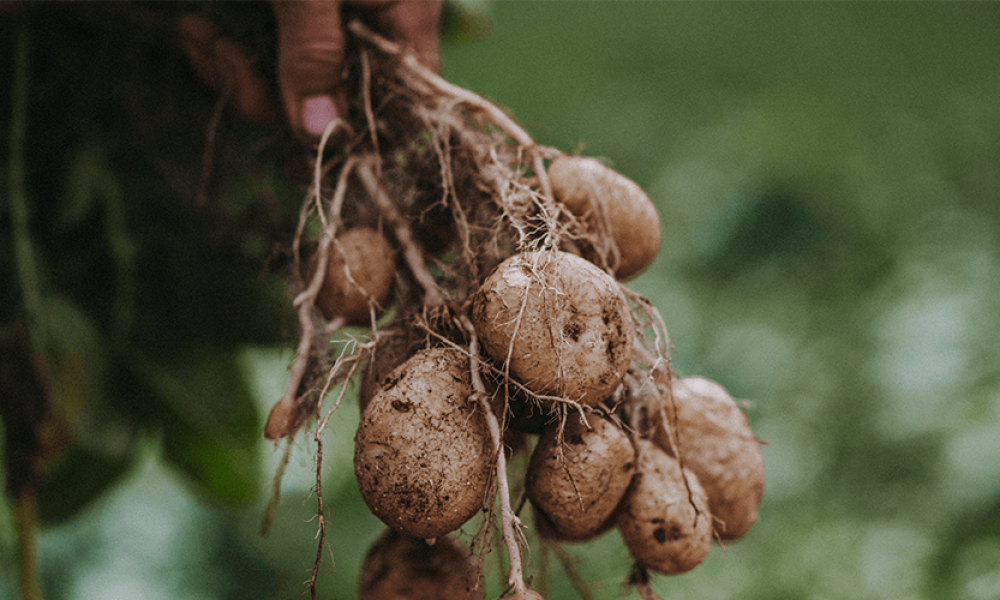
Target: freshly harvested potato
423 454
399 567
562 325
577 479
715 441
612 205
392 348
664 518
360 267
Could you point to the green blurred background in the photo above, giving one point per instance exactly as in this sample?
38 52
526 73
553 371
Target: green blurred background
828 176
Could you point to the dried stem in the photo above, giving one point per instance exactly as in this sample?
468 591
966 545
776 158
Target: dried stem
279 474
320 511
305 302
444 87
412 253
508 519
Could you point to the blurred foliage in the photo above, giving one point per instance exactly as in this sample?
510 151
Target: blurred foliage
828 184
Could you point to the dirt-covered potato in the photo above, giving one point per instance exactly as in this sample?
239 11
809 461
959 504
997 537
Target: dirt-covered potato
664 518
393 346
361 266
715 441
563 324
576 479
423 452
610 204
399 567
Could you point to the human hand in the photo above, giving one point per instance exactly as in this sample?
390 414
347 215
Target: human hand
311 40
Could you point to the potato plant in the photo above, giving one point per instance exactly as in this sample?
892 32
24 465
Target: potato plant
486 270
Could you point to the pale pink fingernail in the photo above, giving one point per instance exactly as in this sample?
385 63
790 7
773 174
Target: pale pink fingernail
317 113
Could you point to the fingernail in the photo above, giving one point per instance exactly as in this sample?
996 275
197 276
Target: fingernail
317 113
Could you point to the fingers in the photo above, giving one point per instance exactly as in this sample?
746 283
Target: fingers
311 40
226 66
311 52
416 24
310 61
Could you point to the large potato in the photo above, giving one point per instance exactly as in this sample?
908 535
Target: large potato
360 267
563 324
576 479
423 454
392 347
399 567
715 441
609 203
664 518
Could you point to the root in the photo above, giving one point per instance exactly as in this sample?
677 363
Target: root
288 413
412 253
639 579
508 520
458 186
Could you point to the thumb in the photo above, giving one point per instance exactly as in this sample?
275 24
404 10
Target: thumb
310 59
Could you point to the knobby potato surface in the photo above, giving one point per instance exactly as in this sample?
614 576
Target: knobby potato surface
399 567
620 217
715 441
423 454
577 477
562 325
664 518
360 268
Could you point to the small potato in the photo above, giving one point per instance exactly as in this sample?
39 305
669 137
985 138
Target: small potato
610 204
399 567
715 441
664 518
423 455
563 324
577 479
360 267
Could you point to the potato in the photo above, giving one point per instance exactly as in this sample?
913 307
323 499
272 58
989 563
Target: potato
423 454
665 524
399 567
576 480
393 346
563 324
611 203
715 441
368 258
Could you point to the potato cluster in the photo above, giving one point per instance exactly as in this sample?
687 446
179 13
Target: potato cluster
488 271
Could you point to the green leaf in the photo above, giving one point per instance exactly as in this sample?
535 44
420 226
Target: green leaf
208 419
80 477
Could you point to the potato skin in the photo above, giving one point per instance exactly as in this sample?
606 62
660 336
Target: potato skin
717 444
399 567
565 323
577 480
392 347
423 452
368 257
607 200
663 530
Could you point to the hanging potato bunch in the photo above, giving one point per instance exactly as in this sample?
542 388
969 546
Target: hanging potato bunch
486 272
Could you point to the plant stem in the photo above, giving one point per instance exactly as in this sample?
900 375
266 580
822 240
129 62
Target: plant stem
25 503
24 254
26 519
508 519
